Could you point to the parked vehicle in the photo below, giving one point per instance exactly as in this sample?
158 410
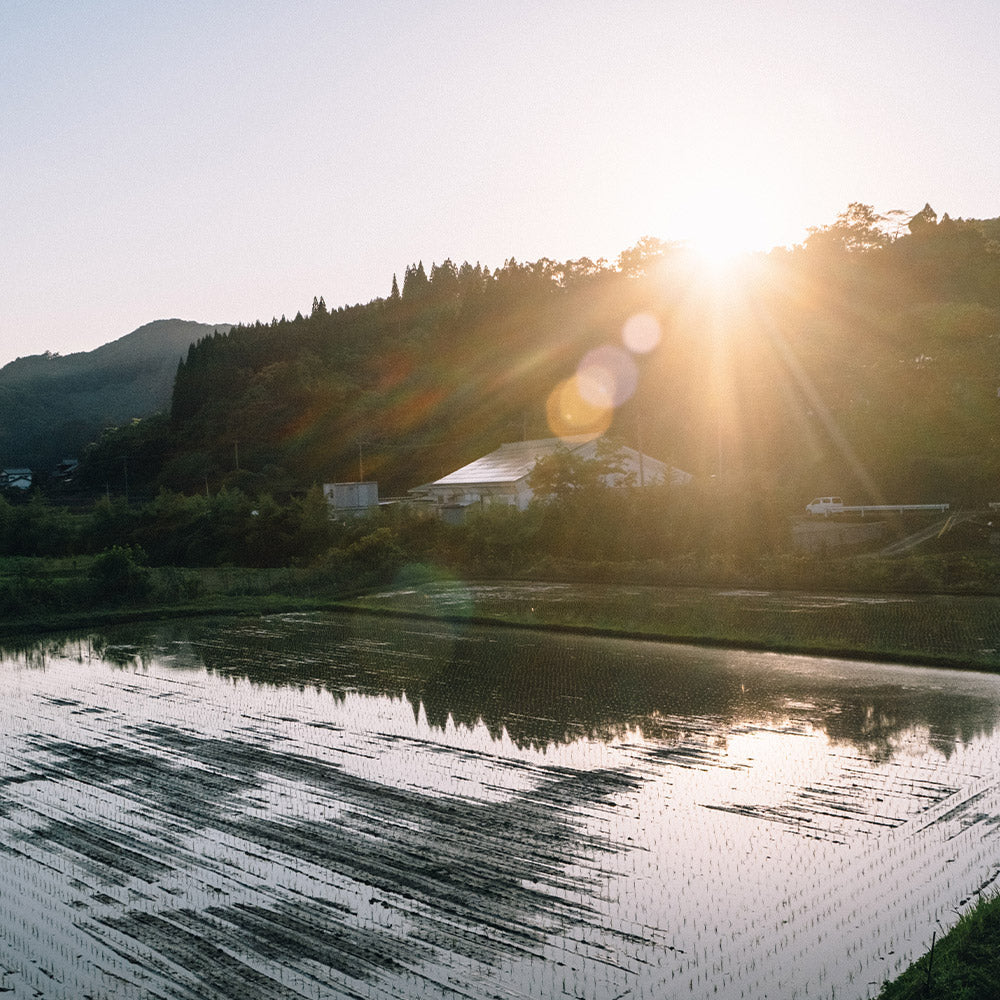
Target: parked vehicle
824 505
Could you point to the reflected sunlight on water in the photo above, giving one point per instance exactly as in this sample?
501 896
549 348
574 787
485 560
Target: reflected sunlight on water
307 806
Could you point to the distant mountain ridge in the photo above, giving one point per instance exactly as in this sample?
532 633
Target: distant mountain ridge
52 406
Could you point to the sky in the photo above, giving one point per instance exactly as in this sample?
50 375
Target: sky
227 162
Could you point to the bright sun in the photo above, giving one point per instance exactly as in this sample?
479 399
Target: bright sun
717 251
723 222
721 238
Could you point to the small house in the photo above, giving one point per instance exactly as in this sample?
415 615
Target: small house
351 499
501 477
16 479
65 470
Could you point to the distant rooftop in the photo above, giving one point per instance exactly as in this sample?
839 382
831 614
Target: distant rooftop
509 463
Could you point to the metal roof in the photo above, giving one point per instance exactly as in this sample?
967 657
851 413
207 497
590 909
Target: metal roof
509 463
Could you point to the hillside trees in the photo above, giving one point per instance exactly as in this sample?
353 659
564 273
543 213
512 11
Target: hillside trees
127 459
449 351
846 365
860 364
858 229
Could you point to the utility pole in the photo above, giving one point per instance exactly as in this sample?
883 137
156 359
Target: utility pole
638 435
718 442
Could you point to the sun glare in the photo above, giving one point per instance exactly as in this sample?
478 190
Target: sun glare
723 222
717 251
721 241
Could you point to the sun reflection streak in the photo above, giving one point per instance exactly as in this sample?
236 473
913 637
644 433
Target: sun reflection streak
801 379
724 349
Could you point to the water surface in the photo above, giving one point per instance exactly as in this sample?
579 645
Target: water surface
310 806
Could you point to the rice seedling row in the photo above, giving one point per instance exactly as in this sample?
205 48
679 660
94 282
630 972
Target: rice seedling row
315 806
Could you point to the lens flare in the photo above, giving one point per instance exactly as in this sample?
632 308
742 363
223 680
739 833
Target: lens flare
607 376
641 333
571 414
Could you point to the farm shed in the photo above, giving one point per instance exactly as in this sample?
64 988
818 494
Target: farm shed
501 477
16 479
351 499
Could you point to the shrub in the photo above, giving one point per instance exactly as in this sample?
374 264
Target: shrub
377 554
119 573
173 585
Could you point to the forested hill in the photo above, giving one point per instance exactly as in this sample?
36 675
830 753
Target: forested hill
864 362
53 406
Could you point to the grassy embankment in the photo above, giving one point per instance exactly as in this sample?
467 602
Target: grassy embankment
960 630
941 630
963 965
48 594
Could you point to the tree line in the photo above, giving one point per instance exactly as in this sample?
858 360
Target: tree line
861 362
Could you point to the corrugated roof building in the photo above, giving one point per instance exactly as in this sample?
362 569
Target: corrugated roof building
502 475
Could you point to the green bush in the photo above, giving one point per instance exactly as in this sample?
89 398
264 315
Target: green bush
372 559
377 553
172 585
119 573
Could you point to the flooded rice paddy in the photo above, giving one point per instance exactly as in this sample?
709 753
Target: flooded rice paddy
339 807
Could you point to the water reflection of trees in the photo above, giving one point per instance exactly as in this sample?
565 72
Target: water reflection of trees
546 688
38 653
874 719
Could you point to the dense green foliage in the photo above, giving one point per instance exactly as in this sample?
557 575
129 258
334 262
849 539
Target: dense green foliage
139 555
54 406
862 363
174 529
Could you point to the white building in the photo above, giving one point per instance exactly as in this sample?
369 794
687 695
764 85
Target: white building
502 475
351 499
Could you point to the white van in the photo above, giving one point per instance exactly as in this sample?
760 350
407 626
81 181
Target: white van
824 505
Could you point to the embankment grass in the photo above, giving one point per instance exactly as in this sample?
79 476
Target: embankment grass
942 630
960 630
40 595
964 964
